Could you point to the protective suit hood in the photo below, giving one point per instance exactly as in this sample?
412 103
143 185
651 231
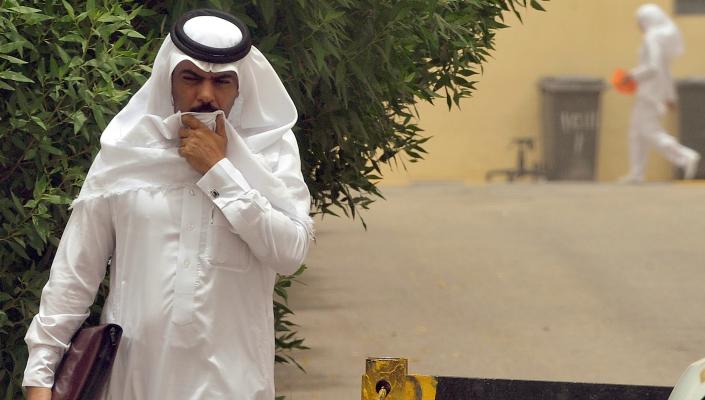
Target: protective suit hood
659 27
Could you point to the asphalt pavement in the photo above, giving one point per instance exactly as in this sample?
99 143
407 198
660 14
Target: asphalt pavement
572 282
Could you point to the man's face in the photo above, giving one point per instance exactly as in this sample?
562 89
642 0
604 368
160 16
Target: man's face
196 90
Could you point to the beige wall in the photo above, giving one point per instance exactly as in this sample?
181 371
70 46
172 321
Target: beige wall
583 37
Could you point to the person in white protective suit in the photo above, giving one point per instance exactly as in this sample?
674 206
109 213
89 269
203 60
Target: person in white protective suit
197 200
655 93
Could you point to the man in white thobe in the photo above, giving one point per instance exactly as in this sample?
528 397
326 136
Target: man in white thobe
197 199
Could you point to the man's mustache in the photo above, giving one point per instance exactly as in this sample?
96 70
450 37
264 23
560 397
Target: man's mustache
204 108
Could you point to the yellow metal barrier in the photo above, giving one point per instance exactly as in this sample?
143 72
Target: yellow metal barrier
388 379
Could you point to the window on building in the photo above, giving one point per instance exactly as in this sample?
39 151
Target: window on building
690 7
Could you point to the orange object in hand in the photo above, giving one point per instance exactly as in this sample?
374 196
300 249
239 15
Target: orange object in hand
625 86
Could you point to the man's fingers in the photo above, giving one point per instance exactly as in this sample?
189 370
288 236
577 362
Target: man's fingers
220 125
192 122
184 148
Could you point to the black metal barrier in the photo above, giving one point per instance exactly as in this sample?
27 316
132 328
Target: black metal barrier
388 379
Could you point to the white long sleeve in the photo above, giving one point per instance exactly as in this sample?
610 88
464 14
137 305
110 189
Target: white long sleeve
275 239
650 62
76 273
655 83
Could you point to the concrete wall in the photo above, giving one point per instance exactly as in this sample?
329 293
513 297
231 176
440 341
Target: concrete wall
574 37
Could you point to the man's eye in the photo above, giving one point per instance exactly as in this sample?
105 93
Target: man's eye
223 81
190 78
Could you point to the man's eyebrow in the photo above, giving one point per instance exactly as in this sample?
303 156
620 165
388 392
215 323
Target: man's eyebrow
190 73
227 74
222 75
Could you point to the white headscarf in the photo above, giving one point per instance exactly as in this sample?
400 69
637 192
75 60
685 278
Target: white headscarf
139 147
661 29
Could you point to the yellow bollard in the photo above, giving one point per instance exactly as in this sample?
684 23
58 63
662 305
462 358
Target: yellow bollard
384 377
388 379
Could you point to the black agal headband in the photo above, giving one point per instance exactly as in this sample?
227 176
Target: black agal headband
206 53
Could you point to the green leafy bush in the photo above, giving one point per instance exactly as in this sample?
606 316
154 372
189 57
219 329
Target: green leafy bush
64 72
355 69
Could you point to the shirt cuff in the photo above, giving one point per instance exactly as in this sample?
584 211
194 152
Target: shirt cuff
223 181
41 366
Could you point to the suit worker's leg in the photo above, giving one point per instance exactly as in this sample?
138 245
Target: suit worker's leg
646 131
638 146
669 147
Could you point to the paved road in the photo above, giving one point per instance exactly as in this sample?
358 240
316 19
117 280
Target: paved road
586 282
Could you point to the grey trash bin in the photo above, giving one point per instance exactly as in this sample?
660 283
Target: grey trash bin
570 108
691 117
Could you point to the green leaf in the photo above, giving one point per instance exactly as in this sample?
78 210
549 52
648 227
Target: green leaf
41 228
536 5
65 58
19 250
4 320
40 186
51 149
31 153
39 122
13 60
99 118
267 8
72 37
14 76
132 33
69 8
78 119
55 199
107 18
35 18
267 43
24 10
5 86
11 47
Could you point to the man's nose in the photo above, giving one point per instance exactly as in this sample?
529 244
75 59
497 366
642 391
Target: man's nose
206 92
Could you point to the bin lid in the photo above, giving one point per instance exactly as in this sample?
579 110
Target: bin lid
691 81
568 83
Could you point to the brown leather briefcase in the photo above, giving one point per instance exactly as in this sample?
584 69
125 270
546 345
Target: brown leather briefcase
85 368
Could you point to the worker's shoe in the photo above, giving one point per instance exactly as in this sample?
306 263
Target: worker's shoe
691 167
630 180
